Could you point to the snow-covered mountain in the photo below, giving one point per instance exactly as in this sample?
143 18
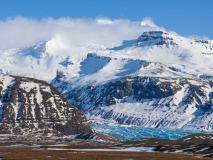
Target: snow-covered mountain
33 107
158 80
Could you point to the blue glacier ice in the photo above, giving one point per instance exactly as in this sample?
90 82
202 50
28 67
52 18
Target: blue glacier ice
131 132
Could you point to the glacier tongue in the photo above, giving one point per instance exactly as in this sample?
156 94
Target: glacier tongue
134 133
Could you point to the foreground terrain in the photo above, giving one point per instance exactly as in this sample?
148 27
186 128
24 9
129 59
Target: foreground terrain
198 146
29 153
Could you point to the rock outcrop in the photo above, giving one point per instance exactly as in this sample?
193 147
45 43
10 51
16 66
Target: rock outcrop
31 106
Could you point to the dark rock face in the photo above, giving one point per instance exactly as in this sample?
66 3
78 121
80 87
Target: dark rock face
138 87
159 37
30 106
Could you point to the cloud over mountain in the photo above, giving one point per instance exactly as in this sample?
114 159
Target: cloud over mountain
20 31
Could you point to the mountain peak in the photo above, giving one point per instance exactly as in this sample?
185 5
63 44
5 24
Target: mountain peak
158 37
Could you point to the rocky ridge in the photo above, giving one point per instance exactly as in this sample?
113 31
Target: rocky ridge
29 106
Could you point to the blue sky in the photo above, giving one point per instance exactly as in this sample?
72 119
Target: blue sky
186 17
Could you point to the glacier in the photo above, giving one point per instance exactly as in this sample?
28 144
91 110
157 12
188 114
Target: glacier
132 132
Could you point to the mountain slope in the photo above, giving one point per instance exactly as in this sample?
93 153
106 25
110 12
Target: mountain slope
30 106
156 97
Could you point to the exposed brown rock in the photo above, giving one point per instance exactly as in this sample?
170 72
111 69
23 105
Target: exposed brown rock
30 106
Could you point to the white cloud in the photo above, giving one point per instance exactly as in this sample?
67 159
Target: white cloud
148 22
20 31
104 21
